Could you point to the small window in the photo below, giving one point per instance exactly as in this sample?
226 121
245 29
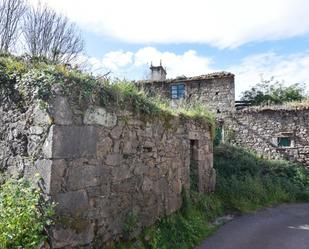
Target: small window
284 141
178 91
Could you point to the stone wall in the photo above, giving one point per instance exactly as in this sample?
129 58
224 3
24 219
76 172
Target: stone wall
103 165
216 91
262 128
23 130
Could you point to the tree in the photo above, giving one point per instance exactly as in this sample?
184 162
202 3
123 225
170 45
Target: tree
273 92
50 35
11 12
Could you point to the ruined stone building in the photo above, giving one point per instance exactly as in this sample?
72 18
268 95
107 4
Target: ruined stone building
275 132
216 90
102 163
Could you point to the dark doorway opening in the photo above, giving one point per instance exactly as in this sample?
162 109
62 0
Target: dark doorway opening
194 175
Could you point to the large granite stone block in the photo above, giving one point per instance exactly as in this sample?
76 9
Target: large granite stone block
73 203
74 141
99 116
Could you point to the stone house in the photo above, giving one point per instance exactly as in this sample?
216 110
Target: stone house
275 132
280 132
215 90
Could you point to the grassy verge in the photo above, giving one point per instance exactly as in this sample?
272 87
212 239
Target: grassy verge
245 183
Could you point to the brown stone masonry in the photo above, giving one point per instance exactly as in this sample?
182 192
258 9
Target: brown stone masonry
101 165
216 91
276 132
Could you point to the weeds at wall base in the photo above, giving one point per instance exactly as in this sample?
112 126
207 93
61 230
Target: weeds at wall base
245 184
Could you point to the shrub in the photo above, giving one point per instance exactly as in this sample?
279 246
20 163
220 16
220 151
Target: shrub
23 215
273 92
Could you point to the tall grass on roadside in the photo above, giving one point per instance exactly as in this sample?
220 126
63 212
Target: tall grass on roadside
247 182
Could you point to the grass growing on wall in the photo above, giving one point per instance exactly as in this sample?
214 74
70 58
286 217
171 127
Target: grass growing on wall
245 183
26 81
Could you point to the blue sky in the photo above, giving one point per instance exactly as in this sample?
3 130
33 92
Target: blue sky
250 38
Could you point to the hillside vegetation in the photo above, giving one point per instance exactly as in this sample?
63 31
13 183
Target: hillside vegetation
245 183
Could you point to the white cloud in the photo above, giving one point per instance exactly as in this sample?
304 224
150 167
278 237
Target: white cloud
136 65
222 23
189 63
288 69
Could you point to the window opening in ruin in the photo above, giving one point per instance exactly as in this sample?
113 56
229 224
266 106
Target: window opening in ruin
178 91
217 93
284 141
218 111
194 175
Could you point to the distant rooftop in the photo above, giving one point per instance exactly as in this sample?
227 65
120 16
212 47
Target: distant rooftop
293 106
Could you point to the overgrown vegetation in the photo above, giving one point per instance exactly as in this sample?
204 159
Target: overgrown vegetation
245 182
23 215
28 80
270 92
183 229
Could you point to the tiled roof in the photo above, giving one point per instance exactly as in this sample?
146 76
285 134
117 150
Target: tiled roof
184 79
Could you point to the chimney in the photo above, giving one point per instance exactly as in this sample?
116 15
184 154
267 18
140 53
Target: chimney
158 73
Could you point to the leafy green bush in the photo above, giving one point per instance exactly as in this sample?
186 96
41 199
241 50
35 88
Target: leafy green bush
273 92
23 215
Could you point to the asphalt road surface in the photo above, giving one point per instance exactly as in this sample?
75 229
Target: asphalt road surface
282 227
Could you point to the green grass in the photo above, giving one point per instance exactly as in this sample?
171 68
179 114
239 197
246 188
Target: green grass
183 229
245 183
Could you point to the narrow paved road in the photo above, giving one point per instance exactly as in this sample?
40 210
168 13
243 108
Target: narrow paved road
282 227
